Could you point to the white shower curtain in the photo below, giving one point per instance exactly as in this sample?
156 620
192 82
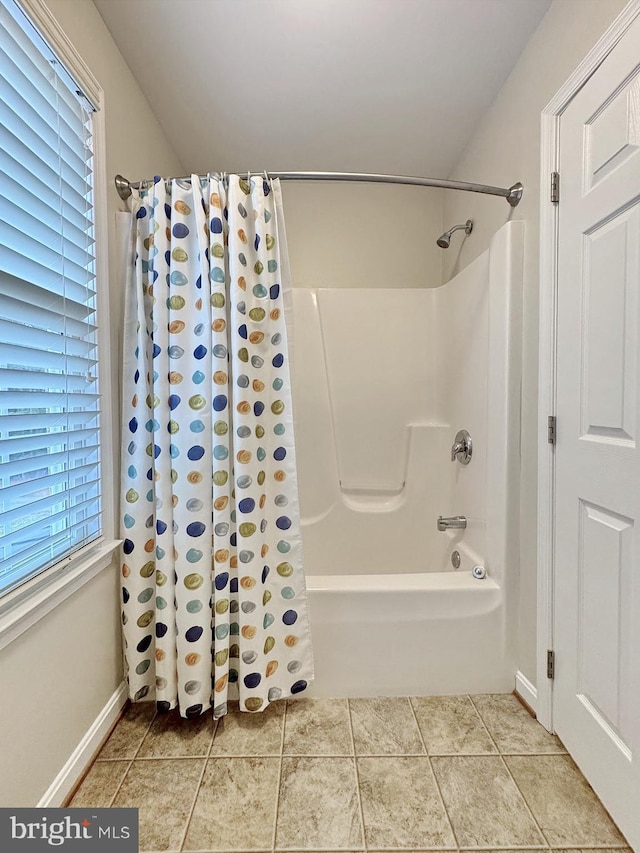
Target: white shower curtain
214 599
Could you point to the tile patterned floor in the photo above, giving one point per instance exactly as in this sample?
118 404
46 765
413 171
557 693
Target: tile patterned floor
455 773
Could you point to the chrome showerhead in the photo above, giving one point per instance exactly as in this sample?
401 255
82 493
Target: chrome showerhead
444 240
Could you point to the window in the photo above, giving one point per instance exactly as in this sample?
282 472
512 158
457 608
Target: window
50 504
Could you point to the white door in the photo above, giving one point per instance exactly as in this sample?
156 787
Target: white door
596 705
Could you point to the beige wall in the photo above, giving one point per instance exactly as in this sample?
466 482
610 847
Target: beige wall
362 235
506 148
58 676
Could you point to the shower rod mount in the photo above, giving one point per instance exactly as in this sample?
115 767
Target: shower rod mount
512 194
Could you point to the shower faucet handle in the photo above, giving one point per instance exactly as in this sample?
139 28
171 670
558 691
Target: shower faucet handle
458 447
462 448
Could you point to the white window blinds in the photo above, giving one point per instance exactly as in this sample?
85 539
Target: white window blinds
49 400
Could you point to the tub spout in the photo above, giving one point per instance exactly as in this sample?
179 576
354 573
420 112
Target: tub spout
455 522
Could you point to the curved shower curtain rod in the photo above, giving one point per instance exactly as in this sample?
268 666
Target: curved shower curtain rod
512 194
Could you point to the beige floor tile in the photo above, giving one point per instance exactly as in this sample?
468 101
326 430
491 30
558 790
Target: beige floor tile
239 733
384 727
318 807
565 806
236 804
100 785
163 790
592 850
401 805
512 727
450 725
317 727
483 803
171 736
130 731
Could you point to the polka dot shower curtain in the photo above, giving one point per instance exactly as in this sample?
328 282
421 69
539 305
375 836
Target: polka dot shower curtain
213 590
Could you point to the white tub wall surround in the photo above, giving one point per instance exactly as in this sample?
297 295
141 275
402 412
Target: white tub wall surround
507 141
362 371
375 472
378 341
461 354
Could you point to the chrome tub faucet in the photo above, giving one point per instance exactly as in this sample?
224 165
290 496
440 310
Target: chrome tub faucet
454 522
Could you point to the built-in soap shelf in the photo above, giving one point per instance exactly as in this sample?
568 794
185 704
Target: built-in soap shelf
373 500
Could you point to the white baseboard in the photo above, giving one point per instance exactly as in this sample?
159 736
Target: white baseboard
77 763
526 690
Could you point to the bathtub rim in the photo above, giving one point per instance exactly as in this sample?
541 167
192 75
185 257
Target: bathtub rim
401 582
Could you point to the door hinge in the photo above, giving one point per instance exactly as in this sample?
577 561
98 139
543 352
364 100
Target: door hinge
555 187
551 663
551 429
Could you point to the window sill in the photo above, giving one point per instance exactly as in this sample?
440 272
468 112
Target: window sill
28 604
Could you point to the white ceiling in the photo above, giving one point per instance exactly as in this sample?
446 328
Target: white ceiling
393 86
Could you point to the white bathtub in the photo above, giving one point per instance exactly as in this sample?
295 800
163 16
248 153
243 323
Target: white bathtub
382 382
435 633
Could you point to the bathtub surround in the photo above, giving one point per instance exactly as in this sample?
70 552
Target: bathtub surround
207 400
383 380
507 140
398 774
374 432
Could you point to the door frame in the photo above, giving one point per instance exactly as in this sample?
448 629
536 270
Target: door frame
549 240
